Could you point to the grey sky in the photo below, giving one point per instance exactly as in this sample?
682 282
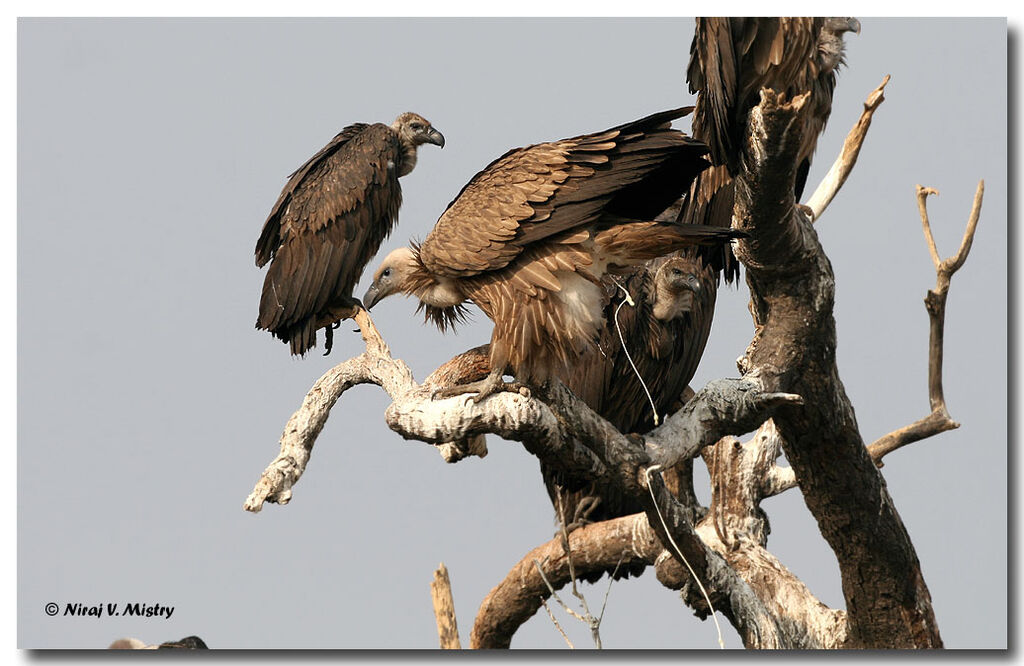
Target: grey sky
150 152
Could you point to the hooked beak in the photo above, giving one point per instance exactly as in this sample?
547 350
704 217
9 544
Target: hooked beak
694 285
372 296
854 25
435 137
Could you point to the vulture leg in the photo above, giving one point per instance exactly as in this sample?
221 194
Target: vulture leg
488 386
329 335
581 516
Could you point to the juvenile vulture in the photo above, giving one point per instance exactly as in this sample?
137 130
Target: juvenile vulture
329 221
665 334
530 238
731 59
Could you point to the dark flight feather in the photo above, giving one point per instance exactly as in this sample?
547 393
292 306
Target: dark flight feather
731 60
329 221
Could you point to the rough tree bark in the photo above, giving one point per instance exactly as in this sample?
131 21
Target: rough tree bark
789 392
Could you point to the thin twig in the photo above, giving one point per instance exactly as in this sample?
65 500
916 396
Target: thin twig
588 618
554 595
544 602
608 591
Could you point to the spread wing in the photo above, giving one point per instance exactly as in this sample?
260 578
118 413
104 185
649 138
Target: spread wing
530 194
327 224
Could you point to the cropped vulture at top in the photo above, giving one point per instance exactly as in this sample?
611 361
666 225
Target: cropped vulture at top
328 223
731 59
530 238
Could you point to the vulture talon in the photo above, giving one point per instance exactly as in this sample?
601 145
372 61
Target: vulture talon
328 339
806 210
483 388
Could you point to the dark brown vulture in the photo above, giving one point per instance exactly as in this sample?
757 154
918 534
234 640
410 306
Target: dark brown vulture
731 59
665 334
530 238
329 221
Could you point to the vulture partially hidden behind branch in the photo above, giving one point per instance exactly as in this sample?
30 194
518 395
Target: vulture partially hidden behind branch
327 224
530 238
731 59
665 333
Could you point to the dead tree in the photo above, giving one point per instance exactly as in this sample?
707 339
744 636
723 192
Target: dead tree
789 392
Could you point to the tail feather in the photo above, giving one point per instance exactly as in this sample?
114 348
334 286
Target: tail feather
633 242
710 202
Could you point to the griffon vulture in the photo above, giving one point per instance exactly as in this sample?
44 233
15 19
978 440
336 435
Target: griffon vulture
665 334
329 221
731 59
530 238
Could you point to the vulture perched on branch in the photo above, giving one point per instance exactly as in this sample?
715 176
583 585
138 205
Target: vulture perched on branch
664 334
329 221
530 238
731 60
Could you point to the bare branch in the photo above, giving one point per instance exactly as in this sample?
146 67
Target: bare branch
444 609
841 168
922 207
374 366
938 420
598 547
792 297
953 264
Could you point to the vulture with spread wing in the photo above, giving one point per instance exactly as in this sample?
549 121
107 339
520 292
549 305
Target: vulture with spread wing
731 59
329 221
530 238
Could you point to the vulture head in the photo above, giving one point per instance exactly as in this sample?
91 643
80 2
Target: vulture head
402 273
675 285
831 48
395 271
415 130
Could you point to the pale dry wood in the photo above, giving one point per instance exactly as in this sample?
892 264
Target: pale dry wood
841 168
444 609
938 420
374 366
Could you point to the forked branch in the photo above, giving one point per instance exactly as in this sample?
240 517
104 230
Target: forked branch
939 419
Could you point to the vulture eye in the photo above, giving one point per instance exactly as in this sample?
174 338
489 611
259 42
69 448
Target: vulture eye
676 271
417 126
386 272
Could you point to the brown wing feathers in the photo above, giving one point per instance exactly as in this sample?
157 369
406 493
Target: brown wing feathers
731 59
530 236
327 224
543 190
